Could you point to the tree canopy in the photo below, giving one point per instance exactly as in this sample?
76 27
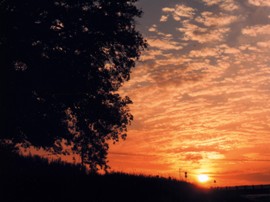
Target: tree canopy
62 65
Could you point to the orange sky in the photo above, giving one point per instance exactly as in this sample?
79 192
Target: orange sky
201 93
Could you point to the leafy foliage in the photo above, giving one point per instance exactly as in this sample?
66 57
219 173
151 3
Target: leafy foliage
64 61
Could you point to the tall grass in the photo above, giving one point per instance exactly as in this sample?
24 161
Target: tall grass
33 178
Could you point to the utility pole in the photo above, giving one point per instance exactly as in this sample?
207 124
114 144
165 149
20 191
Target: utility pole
186 175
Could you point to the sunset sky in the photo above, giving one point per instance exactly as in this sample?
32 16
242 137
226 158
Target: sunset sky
201 93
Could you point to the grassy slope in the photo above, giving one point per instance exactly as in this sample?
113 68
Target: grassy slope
34 179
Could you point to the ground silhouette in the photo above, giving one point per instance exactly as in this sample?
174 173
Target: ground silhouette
35 179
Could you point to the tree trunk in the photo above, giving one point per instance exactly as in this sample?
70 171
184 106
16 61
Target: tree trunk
82 158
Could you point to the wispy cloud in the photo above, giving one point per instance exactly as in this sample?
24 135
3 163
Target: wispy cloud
226 5
256 30
201 34
164 18
259 2
217 20
164 44
180 10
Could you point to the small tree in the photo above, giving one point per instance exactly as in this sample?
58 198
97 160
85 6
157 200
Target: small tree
64 61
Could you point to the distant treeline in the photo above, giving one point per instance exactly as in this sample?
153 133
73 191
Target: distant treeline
36 179
253 191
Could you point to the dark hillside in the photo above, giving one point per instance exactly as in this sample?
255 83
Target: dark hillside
35 179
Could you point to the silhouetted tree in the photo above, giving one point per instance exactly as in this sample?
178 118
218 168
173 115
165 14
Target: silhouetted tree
62 64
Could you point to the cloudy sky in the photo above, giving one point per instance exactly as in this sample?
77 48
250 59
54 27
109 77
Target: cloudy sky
201 92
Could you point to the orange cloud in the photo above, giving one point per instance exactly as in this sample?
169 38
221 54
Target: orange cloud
180 10
201 34
164 44
164 18
226 5
259 2
256 30
210 19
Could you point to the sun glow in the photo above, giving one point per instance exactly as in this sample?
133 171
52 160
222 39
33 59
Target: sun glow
203 178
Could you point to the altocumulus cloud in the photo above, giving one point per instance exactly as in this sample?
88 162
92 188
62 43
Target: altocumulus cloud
201 91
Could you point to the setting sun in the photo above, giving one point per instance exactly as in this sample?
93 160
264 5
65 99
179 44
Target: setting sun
203 178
